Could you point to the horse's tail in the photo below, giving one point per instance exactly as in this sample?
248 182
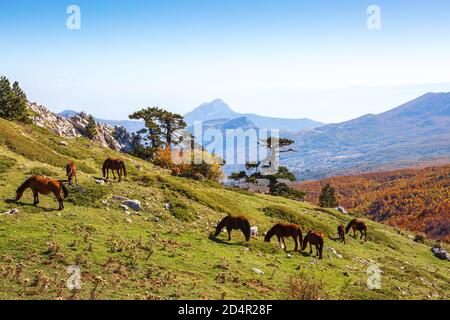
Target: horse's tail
246 229
65 190
124 169
300 237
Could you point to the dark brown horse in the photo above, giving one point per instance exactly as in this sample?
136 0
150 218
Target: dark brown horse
341 233
71 171
314 239
357 225
285 230
234 223
42 185
114 164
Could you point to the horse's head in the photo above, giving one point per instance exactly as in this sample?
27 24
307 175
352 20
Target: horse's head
305 240
350 224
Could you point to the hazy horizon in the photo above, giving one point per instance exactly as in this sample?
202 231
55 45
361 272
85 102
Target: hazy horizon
287 59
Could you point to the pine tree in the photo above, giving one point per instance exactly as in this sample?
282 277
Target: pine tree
13 102
91 127
327 197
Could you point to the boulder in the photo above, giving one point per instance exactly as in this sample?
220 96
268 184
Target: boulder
11 212
63 143
440 252
133 204
257 271
341 209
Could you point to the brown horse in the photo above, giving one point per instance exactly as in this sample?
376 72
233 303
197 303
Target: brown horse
42 185
234 223
115 164
71 171
314 239
357 225
285 230
341 233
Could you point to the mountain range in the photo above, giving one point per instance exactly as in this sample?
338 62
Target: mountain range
415 131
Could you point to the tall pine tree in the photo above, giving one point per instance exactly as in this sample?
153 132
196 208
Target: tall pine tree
13 102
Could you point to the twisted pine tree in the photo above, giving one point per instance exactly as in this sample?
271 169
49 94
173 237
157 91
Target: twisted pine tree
327 198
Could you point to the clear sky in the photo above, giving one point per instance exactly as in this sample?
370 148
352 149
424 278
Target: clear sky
288 58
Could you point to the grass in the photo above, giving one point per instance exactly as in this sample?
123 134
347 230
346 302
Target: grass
165 252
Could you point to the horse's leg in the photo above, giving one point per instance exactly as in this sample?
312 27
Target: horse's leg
284 244
296 243
354 232
57 194
36 198
107 173
119 172
365 235
114 174
310 248
229 233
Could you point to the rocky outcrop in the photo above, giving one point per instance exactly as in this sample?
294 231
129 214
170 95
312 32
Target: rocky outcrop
116 138
44 118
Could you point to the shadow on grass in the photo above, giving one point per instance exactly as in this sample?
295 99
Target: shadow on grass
23 204
240 244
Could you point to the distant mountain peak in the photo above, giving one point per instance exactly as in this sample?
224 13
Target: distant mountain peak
218 109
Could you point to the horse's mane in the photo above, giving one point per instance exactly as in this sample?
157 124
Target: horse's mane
305 240
24 185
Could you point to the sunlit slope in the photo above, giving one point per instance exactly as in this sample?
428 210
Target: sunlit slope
164 251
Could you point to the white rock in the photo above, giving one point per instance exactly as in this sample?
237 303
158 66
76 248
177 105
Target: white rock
124 207
63 143
120 198
97 181
11 212
134 204
254 231
128 220
289 255
257 271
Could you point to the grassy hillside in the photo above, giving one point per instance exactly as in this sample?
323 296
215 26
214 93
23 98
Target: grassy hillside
416 199
164 252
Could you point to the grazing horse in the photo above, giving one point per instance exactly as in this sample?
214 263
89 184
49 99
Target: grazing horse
357 225
341 233
115 164
234 223
42 185
285 230
314 239
71 171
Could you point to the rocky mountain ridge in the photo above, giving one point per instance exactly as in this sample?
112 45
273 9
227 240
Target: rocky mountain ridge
116 138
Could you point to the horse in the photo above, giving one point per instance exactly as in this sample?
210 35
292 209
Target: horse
316 239
285 230
43 185
234 223
341 233
71 171
115 164
357 225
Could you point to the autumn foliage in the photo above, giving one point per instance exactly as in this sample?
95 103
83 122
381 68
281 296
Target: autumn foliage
415 199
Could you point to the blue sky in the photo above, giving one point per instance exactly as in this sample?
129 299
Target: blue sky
293 58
